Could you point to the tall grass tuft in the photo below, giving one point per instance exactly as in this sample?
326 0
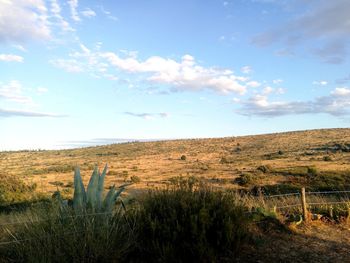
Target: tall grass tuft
189 223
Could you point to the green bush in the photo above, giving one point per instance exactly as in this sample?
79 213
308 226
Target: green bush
312 172
135 179
327 158
13 190
245 179
189 223
264 168
183 157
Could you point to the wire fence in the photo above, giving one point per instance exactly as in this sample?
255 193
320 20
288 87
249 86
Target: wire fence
322 198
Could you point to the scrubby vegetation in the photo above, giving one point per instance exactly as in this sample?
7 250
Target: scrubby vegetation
186 222
14 190
208 205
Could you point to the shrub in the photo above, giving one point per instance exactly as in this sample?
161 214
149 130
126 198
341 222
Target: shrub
312 171
327 158
183 157
13 190
245 179
189 224
135 179
264 168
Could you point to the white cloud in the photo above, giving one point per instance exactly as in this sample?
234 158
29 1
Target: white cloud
73 5
147 116
20 47
277 81
185 74
70 65
280 91
341 92
253 84
13 91
320 83
236 100
108 14
5 113
246 69
21 20
88 13
56 13
42 90
268 90
337 103
10 58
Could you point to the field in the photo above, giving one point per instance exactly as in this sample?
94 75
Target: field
318 160
283 159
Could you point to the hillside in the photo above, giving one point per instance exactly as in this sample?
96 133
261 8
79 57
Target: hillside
278 161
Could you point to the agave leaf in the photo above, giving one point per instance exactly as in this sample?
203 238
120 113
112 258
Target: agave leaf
79 198
109 200
117 194
92 189
100 188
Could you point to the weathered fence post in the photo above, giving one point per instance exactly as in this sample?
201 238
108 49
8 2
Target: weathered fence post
303 204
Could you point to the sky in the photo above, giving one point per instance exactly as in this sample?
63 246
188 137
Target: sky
77 73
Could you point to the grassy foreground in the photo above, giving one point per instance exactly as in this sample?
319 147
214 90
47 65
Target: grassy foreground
180 224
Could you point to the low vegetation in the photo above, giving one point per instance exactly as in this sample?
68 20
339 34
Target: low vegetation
187 200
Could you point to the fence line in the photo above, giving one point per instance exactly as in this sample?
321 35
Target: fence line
312 193
290 194
328 192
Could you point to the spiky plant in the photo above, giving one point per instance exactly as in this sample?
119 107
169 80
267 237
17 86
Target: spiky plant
92 198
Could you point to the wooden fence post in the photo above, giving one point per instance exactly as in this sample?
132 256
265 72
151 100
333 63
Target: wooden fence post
304 206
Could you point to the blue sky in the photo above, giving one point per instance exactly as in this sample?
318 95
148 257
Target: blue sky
75 73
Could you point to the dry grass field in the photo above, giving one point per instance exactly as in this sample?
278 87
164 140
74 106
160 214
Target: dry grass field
275 163
281 161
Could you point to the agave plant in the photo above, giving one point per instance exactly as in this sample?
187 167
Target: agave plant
92 198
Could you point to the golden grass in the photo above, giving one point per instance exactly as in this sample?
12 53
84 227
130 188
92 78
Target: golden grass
155 163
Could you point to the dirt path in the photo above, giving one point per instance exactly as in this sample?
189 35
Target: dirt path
315 243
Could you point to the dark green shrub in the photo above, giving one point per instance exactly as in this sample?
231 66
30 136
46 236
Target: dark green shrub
135 179
189 224
183 157
264 168
245 179
327 158
311 171
13 190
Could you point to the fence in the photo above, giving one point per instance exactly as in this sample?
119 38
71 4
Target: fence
301 200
